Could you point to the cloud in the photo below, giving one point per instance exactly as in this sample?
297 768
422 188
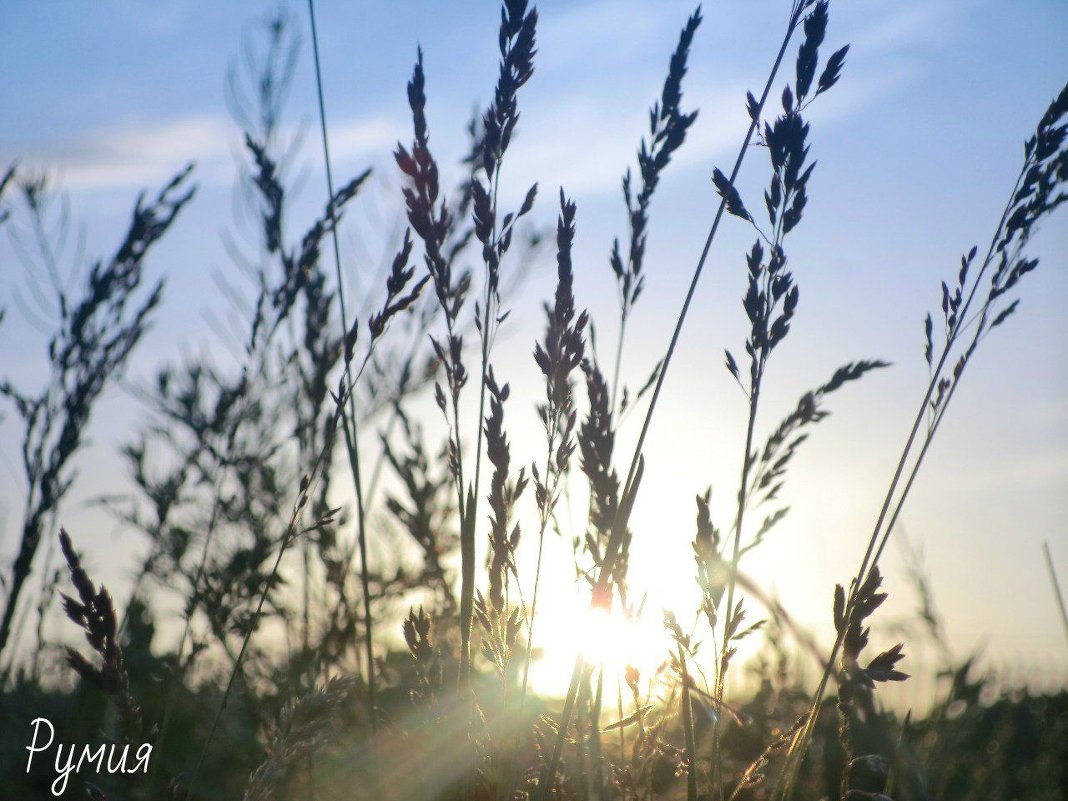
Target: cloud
577 132
580 138
135 154
138 154
588 136
361 138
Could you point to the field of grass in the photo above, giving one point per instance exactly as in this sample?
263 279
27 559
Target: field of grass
351 579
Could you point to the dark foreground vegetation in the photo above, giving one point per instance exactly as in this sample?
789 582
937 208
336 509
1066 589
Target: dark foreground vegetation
298 667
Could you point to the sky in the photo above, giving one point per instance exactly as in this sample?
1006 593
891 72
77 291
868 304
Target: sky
917 149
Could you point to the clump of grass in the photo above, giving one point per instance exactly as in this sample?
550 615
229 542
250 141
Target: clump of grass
855 682
97 331
668 125
94 612
304 727
503 497
429 217
293 531
558 356
443 712
1037 192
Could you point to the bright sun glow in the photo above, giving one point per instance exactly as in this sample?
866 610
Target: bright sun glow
661 573
604 638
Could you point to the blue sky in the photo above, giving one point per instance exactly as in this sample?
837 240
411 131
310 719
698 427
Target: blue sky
917 147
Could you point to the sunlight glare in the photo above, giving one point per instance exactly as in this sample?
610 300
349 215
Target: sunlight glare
606 638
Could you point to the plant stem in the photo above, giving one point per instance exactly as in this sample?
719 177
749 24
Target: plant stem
544 522
468 551
732 579
871 555
1056 586
596 777
186 628
578 674
349 425
623 510
687 725
619 357
287 538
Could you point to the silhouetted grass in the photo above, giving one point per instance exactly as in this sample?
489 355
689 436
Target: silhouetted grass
300 673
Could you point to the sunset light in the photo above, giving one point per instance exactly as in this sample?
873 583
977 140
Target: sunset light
571 400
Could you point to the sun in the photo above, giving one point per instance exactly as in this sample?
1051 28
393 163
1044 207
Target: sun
605 638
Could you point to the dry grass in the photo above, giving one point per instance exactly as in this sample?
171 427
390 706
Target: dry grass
413 682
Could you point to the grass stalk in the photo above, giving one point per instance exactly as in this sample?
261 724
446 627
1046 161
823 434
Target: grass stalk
880 534
597 775
619 359
699 269
578 675
290 534
687 726
349 421
634 470
168 706
1056 586
732 578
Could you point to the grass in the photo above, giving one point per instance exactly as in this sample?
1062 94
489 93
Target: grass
308 668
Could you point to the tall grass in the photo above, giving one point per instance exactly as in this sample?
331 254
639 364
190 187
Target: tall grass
411 679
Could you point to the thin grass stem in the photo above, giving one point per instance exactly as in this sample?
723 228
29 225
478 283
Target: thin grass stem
349 422
1056 586
634 470
875 547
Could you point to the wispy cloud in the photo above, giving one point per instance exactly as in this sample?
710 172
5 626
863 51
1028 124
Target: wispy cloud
365 137
583 138
581 134
137 154
556 135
